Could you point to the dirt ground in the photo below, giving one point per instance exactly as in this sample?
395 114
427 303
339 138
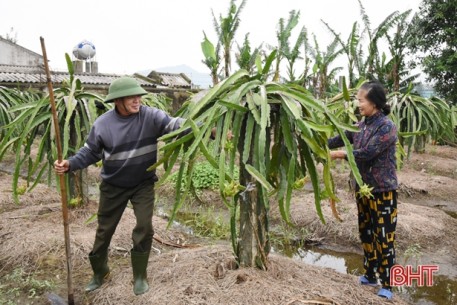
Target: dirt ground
200 271
427 206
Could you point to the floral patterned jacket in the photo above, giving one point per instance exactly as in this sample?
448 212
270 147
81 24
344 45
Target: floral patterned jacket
374 151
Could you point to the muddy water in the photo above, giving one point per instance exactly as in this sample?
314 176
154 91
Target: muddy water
443 291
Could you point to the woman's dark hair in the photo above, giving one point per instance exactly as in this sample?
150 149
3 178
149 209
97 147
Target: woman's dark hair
376 94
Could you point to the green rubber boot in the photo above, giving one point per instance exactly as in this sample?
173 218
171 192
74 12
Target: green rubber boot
139 265
99 265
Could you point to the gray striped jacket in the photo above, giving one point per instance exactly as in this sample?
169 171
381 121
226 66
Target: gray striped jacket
126 144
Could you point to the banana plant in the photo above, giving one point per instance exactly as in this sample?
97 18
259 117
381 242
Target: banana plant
226 28
212 58
292 55
368 68
323 74
245 58
398 43
32 124
278 141
417 116
283 35
350 48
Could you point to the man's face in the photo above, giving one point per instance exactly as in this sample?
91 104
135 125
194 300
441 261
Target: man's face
128 105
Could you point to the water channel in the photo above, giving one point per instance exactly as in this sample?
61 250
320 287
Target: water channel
443 291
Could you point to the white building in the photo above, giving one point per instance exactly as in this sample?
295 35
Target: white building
14 54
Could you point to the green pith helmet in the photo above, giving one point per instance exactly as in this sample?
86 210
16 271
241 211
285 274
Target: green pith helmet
122 87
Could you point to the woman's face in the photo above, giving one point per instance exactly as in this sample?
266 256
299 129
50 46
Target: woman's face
366 107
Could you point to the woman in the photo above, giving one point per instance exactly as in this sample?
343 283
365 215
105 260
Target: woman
374 152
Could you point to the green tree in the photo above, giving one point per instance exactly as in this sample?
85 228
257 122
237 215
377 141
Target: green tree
323 74
293 54
398 70
226 28
245 58
305 76
283 34
373 65
212 58
350 48
435 33
369 62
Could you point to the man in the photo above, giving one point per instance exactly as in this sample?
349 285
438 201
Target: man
125 139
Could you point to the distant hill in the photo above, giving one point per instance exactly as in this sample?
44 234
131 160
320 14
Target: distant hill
200 79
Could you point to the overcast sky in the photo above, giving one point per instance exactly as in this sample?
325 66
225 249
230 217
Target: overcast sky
136 35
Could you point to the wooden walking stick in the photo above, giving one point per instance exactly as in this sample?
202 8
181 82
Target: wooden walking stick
63 189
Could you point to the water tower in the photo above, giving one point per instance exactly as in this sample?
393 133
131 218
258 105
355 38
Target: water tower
84 53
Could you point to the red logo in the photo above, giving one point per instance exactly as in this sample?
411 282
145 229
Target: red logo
405 275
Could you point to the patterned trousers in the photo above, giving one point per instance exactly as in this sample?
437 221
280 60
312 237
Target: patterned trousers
377 223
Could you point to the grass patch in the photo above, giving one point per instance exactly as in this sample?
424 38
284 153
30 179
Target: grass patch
18 282
204 176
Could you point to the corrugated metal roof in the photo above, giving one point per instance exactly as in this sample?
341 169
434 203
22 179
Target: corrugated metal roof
36 75
23 69
173 80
